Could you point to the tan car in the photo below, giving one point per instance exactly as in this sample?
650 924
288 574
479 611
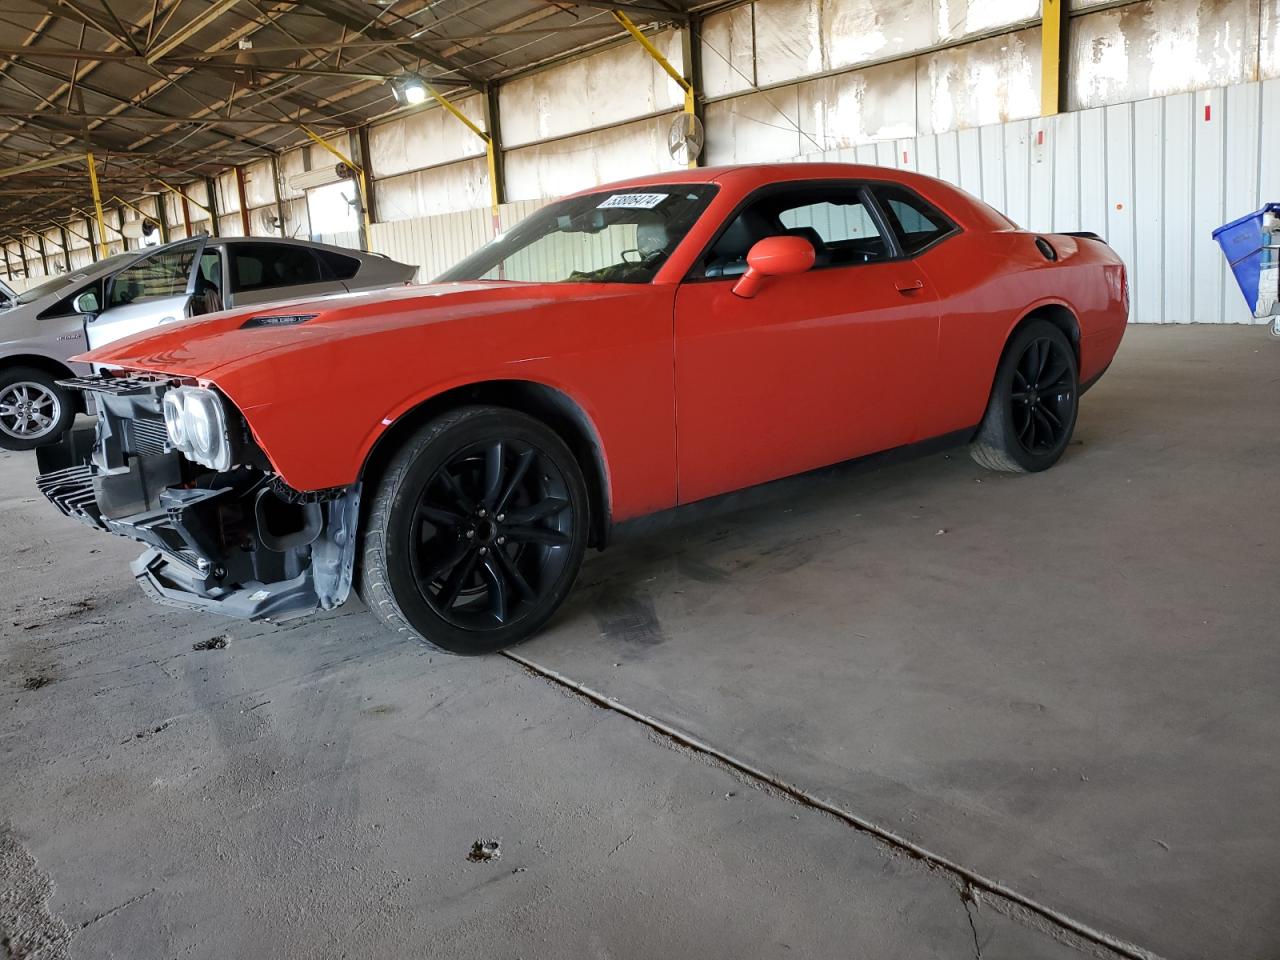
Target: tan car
131 292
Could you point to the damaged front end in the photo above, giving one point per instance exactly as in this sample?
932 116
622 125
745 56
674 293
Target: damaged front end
223 531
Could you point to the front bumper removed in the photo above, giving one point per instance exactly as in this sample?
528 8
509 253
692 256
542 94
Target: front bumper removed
238 544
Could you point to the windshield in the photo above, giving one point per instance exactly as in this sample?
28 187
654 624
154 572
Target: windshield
63 279
614 236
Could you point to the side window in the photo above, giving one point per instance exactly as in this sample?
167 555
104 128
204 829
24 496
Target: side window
832 218
157 277
261 266
211 268
918 224
339 267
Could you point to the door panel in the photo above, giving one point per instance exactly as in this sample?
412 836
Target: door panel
124 321
815 369
152 290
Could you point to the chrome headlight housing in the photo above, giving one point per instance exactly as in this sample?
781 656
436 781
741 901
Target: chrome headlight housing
196 422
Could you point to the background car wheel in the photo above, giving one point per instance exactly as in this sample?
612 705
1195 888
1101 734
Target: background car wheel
1032 411
34 410
476 531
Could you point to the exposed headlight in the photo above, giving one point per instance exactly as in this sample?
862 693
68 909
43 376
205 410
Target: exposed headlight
197 426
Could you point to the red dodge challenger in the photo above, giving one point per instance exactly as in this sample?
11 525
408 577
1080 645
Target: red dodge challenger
452 449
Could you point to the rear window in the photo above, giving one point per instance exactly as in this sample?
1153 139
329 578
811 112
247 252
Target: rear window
260 266
917 223
338 266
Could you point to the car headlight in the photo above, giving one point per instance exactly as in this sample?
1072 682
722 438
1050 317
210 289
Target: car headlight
197 426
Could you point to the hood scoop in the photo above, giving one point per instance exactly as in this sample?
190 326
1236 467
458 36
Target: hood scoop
277 320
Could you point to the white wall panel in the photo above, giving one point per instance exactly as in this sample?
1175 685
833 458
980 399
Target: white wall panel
771 42
444 189
1162 47
862 106
728 57
1269 35
575 163
1146 268
788 40
756 127
980 83
259 187
609 87
424 139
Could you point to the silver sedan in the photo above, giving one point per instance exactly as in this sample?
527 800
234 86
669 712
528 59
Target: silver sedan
131 292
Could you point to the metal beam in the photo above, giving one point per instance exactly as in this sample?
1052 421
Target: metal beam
370 185
652 10
356 17
41 164
66 247
275 185
206 120
211 193
244 202
691 47
181 193
8 270
494 154
185 33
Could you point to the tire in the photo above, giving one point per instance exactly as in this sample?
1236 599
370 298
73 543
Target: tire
463 562
34 410
1034 403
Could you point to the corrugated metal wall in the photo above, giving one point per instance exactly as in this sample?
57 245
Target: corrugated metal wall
434 244
1154 177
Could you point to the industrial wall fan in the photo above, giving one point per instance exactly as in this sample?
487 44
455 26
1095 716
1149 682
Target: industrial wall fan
685 138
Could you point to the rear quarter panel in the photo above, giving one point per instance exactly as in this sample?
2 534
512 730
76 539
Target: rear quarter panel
989 283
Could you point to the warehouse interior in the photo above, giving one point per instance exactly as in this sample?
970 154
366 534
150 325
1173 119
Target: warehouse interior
887 709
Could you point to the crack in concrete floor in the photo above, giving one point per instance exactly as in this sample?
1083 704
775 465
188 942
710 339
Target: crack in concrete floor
1064 928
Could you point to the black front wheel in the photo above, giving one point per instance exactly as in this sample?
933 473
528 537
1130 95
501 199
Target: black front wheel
476 532
1032 411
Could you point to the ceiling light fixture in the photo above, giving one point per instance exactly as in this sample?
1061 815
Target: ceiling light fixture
409 90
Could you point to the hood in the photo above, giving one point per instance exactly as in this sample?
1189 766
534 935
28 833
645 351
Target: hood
201 348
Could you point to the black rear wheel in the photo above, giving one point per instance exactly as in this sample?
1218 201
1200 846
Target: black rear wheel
1032 411
476 532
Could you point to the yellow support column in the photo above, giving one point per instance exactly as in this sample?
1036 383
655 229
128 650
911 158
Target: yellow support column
97 206
1053 33
690 96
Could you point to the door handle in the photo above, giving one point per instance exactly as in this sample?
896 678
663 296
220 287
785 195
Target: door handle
905 288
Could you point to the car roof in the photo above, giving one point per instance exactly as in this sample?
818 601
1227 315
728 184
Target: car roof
744 178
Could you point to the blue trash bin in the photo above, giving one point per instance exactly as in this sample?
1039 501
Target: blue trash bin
1252 248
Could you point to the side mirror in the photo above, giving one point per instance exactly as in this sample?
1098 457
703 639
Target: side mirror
774 257
87 303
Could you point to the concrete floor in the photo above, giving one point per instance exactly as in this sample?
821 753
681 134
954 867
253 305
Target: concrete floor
1057 692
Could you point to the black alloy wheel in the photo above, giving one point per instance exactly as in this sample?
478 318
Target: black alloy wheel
1034 401
1042 401
476 532
490 531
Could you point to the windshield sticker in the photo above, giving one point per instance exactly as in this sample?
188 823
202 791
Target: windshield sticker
633 201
